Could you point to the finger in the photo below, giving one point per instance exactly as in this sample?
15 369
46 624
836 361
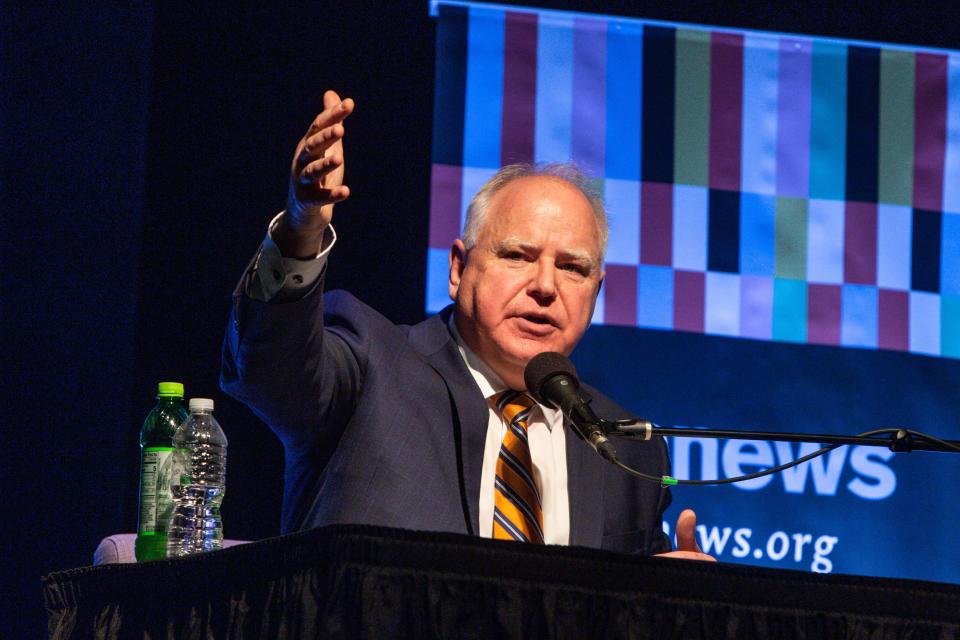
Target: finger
687 531
687 555
339 193
332 114
316 194
317 144
319 168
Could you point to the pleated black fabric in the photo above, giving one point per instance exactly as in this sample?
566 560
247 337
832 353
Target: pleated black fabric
366 582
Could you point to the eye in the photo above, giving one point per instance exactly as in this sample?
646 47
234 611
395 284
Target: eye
575 267
512 254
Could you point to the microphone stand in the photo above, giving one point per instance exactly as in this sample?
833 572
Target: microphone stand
901 440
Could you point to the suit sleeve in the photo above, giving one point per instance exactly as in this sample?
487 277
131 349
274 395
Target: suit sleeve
299 376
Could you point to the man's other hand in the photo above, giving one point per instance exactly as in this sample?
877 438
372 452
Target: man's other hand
316 181
687 547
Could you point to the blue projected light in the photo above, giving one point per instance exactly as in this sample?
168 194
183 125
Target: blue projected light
783 257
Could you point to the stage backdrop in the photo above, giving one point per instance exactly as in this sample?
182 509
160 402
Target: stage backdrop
784 255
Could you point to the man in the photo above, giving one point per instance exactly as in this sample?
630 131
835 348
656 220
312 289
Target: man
423 427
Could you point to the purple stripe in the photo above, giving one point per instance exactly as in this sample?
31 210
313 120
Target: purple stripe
519 87
589 113
894 321
656 223
823 313
726 109
793 118
688 301
930 131
620 295
860 243
756 307
444 205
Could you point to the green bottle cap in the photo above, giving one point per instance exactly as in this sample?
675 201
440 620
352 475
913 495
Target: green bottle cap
170 390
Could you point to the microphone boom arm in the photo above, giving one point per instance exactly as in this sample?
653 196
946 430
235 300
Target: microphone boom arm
899 440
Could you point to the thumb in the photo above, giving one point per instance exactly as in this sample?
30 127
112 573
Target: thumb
687 531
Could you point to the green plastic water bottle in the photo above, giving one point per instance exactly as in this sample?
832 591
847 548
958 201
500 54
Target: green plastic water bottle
156 447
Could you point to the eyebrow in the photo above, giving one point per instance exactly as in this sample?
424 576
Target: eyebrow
514 242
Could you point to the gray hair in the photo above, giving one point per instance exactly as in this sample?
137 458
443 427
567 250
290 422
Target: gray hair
479 207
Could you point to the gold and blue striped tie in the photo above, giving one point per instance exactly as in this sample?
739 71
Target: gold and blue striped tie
517 510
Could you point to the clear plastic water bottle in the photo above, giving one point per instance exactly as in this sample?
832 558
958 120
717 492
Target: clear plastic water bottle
199 474
156 448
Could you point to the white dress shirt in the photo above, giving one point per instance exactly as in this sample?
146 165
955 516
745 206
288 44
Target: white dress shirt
280 277
548 452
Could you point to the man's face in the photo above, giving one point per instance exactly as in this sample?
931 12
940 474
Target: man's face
530 283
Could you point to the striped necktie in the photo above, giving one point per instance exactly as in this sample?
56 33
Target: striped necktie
517 511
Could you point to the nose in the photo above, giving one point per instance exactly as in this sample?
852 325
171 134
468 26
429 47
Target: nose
543 283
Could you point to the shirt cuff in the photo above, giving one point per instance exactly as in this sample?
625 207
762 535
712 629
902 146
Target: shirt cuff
289 278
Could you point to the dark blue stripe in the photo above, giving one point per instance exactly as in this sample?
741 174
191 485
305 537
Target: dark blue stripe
863 122
519 431
509 526
450 85
505 399
522 415
723 239
508 492
925 256
511 460
659 69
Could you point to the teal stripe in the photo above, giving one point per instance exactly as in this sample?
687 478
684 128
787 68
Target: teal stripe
789 310
950 326
554 108
828 124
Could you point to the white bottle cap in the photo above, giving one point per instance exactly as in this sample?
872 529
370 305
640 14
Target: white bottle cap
201 404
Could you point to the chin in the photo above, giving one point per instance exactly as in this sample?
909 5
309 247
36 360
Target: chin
524 354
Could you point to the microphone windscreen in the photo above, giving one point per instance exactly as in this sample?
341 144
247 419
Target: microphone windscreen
544 366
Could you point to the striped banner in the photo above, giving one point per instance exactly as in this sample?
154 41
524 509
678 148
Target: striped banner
759 185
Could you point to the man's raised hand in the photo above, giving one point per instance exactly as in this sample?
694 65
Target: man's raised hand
316 181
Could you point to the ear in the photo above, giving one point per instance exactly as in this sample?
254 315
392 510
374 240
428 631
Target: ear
458 261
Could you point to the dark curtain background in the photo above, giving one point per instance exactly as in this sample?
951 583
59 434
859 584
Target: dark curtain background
144 149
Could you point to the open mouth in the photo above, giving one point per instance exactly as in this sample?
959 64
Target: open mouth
536 324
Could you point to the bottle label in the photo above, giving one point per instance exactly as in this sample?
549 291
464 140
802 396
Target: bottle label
156 500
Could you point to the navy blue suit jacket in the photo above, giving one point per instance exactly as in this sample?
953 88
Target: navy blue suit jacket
383 424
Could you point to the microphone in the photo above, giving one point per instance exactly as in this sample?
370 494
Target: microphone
552 380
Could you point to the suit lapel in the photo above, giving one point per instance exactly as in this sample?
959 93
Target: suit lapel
585 490
432 338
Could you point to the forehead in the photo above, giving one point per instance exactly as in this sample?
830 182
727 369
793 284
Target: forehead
540 205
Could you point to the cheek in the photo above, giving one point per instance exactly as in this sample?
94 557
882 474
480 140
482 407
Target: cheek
498 290
579 308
